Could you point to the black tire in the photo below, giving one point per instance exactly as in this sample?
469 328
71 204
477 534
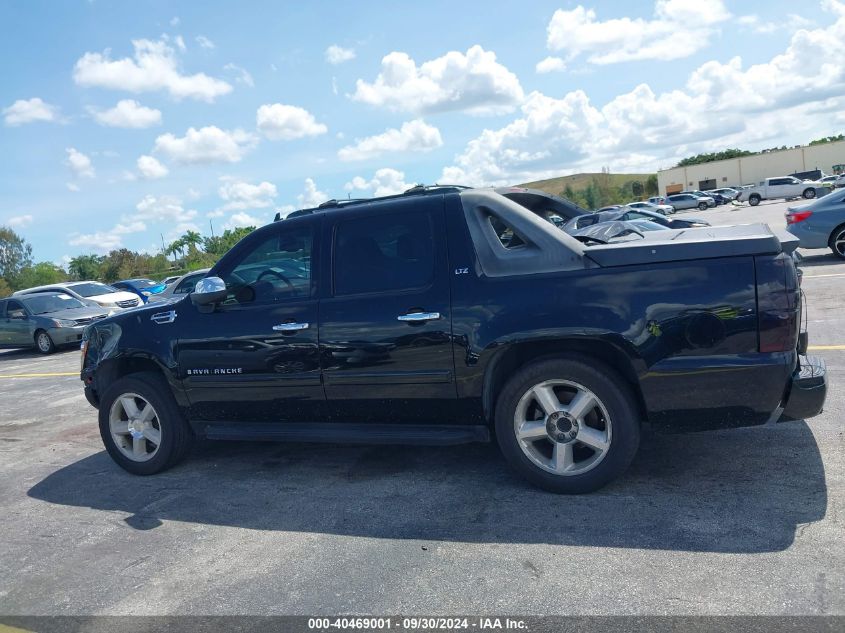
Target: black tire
176 434
754 200
702 206
809 193
837 235
612 392
43 343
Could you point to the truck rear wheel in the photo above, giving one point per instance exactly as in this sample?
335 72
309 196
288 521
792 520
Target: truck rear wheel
754 200
809 193
141 425
568 425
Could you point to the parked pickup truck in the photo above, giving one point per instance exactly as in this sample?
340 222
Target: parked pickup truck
780 187
450 315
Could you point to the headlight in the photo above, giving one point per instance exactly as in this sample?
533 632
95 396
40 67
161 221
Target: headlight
106 304
64 323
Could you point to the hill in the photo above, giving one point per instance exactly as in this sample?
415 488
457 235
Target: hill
581 181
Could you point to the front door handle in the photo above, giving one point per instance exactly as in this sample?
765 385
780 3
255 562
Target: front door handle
418 317
290 327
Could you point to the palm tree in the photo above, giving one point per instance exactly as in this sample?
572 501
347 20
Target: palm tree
177 246
191 239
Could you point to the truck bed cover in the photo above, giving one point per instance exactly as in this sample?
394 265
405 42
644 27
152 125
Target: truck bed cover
696 243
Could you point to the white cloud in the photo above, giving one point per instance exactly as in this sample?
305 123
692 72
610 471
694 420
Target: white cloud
473 82
204 42
150 168
385 182
72 186
100 242
174 21
79 163
132 227
786 100
239 196
28 111
242 75
163 209
413 136
152 68
19 221
281 122
105 241
337 55
311 196
180 43
550 65
791 22
127 113
664 37
239 220
207 145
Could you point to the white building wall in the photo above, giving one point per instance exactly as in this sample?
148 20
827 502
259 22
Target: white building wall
753 169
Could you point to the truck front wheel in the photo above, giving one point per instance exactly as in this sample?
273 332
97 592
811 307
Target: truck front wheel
754 200
141 426
568 425
809 193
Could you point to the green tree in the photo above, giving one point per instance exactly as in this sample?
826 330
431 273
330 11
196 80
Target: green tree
651 188
828 139
5 288
118 264
637 189
220 244
709 157
190 240
592 196
85 267
15 255
40 274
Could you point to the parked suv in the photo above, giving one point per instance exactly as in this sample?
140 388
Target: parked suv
437 316
90 293
45 321
681 201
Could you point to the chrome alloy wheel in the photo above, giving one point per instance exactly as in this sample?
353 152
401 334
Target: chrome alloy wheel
134 427
44 342
562 427
838 243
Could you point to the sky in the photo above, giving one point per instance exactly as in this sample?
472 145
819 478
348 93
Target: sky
126 124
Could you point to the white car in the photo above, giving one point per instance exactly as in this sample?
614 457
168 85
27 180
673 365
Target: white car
90 292
663 209
780 187
183 286
833 181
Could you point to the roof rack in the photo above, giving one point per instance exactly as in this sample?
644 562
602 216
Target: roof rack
416 190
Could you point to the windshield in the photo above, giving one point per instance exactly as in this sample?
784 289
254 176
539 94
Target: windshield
91 289
42 304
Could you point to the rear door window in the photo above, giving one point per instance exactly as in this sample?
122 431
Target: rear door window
383 252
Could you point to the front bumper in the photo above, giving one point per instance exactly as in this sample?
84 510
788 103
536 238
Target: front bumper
66 335
807 389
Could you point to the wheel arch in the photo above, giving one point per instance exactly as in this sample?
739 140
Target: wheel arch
111 369
510 359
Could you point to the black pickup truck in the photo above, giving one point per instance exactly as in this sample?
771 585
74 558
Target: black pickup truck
451 315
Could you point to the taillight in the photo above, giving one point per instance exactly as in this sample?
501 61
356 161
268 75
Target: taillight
778 303
794 217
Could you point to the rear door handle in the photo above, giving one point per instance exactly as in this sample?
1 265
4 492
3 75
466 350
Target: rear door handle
418 317
290 327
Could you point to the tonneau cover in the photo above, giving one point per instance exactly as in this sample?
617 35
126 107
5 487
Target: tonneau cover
697 243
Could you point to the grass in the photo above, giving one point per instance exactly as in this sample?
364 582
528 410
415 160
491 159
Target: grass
581 181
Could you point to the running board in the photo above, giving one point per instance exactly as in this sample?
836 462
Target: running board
338 433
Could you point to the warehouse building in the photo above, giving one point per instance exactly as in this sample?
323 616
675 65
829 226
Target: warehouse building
748 170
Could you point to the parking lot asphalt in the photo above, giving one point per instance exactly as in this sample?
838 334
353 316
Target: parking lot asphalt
747 521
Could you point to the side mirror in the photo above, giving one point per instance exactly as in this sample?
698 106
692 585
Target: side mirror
209 291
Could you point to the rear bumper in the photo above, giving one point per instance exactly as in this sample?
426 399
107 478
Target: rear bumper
807 389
